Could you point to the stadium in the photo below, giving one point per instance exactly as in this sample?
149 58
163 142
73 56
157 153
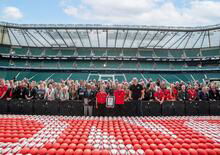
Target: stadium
109 89
101 52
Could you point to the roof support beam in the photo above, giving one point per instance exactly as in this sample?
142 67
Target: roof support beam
188 39
70 37
178 40
125 39
116 37
62 38
209 39
7 30
152 38
52 37
80 38
34 38
143 39
89 38
203 38
169 40
106 38
160 39
25 37
3 33
134 39
15 37
25 31
187 35
43 37
98 37
197 40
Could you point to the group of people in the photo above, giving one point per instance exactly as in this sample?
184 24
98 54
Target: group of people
94 93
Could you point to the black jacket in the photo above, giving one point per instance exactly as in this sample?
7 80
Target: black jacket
91 96
214 95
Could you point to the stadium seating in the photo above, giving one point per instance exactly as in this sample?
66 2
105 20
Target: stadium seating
211 52
176 53
130 52
192 53
4 50
161 53
116 65
57 76
36 52
67 53
146 53
109 52
114 52
84 52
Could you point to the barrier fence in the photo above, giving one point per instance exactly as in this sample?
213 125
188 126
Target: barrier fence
75 108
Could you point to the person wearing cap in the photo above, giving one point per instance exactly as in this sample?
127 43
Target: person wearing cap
136 94
89 100
101 97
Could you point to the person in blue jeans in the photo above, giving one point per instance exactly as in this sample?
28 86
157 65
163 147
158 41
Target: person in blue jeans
136 94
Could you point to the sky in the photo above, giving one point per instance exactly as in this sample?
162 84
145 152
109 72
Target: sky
122 12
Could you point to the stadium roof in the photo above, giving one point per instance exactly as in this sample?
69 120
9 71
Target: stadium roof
109 36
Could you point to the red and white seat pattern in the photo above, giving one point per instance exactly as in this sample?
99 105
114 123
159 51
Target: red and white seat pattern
58 135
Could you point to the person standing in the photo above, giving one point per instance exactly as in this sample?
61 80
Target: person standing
204 94
183 94
214 92
136 95
159 95
101 97
50 94
89 100
3 89
119 100
64 94
192 93
30 91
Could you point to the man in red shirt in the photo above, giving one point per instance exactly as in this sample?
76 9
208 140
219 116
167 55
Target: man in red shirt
101 101
3 89
159 95
119 100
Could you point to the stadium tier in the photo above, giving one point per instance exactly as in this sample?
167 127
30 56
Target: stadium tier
40 52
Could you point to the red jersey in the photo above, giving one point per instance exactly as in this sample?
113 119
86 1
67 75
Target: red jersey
119 96
3 90
159 95
172 94
192 94
166 94
101 97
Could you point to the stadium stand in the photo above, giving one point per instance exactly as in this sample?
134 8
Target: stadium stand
107 56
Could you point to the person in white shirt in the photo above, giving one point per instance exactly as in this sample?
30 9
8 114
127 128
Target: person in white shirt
64 94
50 94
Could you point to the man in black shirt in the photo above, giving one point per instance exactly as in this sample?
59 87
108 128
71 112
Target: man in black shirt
136 94
20 90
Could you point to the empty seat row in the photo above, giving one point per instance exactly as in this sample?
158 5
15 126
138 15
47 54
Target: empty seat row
111 52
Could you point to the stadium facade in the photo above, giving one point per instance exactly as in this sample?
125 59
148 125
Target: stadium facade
42 52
